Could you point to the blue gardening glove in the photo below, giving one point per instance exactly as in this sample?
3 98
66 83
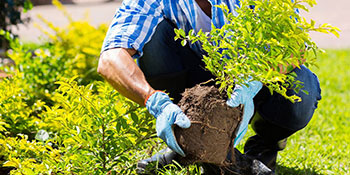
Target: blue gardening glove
167 114
244 95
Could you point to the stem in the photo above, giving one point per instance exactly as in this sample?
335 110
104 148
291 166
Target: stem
103 145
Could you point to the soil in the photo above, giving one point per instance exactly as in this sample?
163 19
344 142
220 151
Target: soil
213 126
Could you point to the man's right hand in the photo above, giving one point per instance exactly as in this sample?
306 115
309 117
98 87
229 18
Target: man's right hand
121 71
167 114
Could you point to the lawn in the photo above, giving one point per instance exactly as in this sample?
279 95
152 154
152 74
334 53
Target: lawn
323 146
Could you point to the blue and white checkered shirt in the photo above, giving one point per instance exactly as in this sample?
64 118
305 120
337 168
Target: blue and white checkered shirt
136 20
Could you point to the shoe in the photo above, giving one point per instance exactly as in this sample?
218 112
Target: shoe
157 161
256 148
242 165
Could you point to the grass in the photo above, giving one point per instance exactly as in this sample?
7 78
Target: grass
323 146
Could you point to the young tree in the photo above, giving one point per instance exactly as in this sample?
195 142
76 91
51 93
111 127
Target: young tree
264 41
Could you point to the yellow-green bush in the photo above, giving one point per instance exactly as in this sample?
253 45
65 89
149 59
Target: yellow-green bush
80 42
16 115
56 117
86 131
71 51
27 157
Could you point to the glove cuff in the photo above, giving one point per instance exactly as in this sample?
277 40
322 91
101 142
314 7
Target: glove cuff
156 101
145 102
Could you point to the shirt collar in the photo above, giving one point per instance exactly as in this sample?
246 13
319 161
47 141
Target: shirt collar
218 18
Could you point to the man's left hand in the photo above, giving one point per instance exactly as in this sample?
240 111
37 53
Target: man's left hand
244 95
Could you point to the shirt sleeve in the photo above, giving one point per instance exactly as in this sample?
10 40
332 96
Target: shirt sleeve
133 25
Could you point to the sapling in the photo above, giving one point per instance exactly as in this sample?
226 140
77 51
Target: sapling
264 41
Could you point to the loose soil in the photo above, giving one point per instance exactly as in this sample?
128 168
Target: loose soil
213 126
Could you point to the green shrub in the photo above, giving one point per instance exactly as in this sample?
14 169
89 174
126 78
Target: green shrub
80 44
83 133
70 52
16 116
260 44
51 125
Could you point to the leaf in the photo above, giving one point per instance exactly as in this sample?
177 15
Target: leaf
305 91
27 6
183 42
12 163
334 32
42 135
78 129
135 118
182 33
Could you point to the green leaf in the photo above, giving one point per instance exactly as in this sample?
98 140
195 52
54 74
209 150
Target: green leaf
182 33
27 6
135 118
12 163
42 135
183 42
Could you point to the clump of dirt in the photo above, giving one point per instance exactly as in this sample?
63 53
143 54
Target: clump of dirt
213 126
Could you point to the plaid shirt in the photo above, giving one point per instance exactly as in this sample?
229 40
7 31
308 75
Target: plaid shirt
136 20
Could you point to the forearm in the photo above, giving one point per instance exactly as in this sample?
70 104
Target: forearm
120 70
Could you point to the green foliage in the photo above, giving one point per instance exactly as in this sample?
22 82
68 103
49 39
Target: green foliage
85 132
16 117
102 127
81 44
57 118
27 157
260 44
70 52
177 169
322 147
328 131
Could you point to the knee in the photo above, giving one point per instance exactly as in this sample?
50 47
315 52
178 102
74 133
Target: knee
310 94
293 116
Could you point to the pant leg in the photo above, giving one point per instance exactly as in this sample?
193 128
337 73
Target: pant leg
277 118
168 65
279 111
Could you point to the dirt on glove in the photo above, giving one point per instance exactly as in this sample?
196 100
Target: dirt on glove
213 126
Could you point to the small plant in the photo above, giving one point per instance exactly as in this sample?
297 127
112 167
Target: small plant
55 118
260 43
16 116
90 130
70 52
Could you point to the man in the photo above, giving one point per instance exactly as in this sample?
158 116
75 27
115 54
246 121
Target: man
144 30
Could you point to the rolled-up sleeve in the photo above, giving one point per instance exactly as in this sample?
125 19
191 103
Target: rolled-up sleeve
133 25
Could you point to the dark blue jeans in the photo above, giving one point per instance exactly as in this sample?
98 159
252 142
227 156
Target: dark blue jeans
169 66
